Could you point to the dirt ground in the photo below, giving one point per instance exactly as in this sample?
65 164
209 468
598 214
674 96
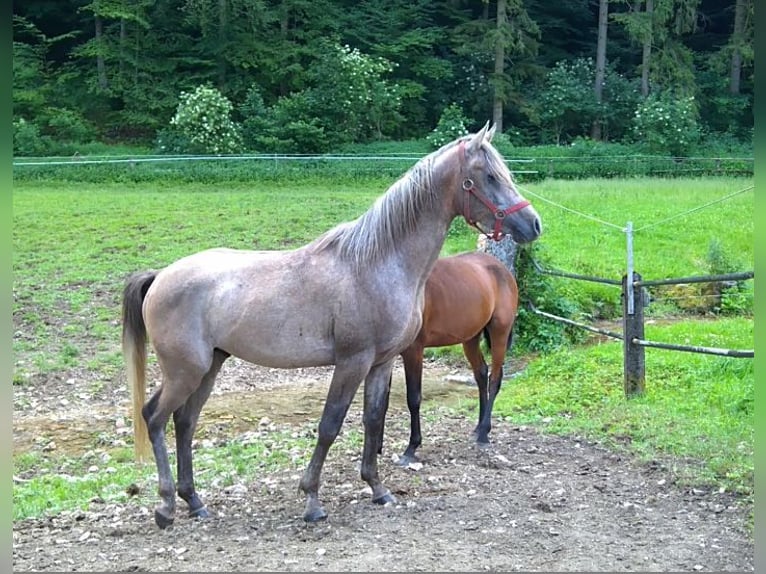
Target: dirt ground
527 502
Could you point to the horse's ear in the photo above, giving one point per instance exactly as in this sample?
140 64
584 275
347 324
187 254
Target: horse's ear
490 132
475 142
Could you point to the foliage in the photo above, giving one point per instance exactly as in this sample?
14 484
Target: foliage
27 140
350 96
698 407
567 106
285 127
452 124
202 124
667 123
124 80
533 333
67 126
347 100
735 297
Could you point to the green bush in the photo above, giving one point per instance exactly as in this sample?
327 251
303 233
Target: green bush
451 125
532 332
202 124
27 140
667 124
68 126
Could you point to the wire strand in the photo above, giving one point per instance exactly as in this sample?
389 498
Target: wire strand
677 215
569 209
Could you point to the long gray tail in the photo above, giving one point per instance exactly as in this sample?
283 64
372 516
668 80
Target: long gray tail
134 353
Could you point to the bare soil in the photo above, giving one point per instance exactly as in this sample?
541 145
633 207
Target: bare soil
529 501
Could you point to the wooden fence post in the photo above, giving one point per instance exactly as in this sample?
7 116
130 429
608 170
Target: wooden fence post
633 328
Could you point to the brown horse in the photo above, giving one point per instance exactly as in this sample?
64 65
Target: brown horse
352 298
466 296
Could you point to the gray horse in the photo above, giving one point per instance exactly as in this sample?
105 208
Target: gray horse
352 298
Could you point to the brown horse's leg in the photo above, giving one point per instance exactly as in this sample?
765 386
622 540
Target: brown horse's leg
412 359
472 351
185 422
346 378
499 344
375 400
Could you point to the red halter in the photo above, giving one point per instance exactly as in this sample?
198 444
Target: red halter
500 214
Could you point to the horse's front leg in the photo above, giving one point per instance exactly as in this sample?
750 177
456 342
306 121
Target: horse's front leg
492 387
376 387
346 379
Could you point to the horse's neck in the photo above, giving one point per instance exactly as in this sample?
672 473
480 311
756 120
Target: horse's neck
419 249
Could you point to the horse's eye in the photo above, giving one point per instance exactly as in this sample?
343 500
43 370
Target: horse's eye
490 178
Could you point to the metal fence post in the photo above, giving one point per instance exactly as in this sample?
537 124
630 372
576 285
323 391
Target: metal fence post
633 328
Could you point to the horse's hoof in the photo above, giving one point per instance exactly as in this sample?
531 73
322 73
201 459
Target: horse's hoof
385 499
315 515
405 460
162 521
200 513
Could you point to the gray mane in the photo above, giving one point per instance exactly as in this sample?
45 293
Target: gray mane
395 213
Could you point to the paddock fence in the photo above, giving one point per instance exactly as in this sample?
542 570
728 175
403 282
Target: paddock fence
634 299
526 168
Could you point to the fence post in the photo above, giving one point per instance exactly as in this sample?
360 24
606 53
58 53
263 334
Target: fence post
633 328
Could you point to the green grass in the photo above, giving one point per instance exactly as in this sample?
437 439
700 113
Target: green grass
697 412
677 248
47 484
74 243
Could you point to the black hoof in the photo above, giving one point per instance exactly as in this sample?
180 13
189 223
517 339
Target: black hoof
162 521
315 515
385 499
200 513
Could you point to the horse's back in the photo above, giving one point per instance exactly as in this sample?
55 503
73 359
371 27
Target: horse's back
463 294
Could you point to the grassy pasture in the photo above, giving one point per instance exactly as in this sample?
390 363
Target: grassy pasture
74 243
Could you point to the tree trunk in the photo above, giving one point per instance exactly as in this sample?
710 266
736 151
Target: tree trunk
736 40
647 52
223 23
499 96
100 65
506 250
123 36
598 86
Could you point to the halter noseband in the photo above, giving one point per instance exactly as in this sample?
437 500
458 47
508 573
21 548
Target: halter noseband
500 214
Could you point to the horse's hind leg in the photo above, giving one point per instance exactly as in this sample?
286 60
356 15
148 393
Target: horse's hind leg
176 388
499 337
185 421
472 351
156 416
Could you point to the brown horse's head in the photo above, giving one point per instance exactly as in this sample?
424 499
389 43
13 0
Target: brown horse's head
489 199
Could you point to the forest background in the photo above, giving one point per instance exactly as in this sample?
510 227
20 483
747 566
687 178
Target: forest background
313 76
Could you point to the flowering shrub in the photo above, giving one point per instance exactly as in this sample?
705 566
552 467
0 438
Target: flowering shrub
351 96
667 124
202 124
451 126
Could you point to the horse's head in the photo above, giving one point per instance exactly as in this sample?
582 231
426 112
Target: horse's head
488 197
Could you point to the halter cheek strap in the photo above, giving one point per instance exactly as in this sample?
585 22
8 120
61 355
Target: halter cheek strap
500 214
